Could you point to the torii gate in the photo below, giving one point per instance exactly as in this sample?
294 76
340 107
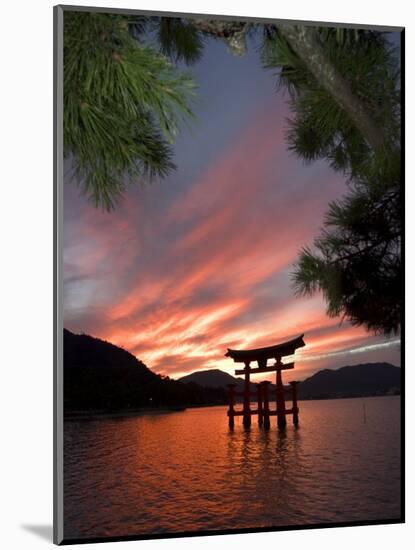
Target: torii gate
261 356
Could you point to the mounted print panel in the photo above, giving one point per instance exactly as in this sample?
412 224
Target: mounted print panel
229 281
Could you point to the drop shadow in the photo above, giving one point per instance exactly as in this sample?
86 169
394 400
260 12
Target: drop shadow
45 532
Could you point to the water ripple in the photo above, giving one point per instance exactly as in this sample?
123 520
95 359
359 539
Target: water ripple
186 471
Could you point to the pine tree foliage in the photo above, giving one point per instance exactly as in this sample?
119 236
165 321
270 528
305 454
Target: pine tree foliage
179 40
123 104
124 101
319 128
356 260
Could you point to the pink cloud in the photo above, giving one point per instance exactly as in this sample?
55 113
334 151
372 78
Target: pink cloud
178 284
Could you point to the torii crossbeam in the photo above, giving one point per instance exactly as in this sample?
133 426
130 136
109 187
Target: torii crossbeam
261 356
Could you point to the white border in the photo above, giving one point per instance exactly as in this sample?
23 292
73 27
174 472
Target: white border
26 274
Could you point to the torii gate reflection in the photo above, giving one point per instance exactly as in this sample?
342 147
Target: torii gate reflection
261 356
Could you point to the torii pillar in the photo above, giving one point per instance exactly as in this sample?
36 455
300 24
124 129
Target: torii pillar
231 411
294 400
247 398
260 405
266 422
280 398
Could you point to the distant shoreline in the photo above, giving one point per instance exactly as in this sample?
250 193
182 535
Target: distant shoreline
81 415
361 396
100 414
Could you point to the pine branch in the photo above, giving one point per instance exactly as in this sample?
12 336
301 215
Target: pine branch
123 104
305 43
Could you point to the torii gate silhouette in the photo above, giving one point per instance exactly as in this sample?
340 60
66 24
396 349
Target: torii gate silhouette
261 356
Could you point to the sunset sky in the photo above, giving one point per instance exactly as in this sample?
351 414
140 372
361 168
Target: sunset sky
202 261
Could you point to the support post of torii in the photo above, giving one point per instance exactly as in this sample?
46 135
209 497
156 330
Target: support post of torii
280 398
294 399
265 385
247 398
260 408
231 410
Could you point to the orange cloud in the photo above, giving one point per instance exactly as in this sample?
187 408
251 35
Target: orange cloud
178 281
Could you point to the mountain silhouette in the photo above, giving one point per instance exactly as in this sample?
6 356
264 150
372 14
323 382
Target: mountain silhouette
350 381
99 376
212 378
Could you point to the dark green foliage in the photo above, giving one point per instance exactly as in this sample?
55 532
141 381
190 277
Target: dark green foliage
123 102
356 260
319 127
179 39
